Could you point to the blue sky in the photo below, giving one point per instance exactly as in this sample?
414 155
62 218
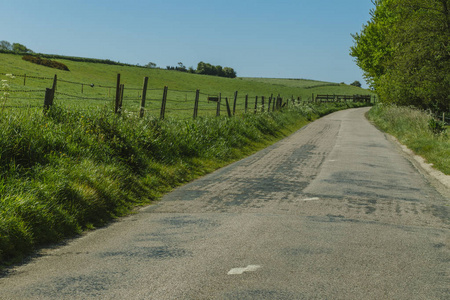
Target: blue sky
265 38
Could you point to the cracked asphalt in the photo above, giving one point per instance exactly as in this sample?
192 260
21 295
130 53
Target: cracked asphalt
335 211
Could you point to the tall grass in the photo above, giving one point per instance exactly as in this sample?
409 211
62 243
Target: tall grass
412 128
68 171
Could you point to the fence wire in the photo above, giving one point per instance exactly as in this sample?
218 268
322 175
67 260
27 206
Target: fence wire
181 103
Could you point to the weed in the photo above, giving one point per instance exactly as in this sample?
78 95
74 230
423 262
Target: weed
4 90
437 127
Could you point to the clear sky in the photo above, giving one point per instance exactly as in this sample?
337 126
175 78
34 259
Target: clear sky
307 39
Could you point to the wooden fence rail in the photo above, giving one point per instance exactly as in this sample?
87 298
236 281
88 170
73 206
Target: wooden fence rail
342 98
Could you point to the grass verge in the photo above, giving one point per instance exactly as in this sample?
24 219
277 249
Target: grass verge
70 171
412 128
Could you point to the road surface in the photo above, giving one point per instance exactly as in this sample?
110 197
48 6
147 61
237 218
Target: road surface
335 211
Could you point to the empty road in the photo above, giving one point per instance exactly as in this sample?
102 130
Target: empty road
335 211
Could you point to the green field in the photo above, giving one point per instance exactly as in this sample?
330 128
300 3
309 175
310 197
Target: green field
291 82
74 87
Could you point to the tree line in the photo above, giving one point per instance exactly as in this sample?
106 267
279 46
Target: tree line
6 46
203 69
16 48
404 52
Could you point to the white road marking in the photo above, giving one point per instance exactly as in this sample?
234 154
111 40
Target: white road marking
239 271
311 199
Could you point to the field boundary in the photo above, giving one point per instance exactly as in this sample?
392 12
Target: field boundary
121 98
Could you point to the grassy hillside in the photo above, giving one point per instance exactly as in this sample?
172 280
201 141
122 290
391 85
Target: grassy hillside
182 86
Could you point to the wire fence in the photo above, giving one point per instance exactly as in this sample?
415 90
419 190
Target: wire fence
25 91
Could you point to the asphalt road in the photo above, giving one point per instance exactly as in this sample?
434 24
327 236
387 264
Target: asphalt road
335 211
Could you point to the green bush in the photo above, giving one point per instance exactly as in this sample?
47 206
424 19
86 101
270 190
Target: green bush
45 62
437 127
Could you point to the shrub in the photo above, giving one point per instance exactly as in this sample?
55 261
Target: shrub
436 127
45 62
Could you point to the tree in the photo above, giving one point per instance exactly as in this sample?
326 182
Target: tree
5 45
229 72
356 83
208 69
219 71
404 51
19 48
371 48
150 65
205 69
181 67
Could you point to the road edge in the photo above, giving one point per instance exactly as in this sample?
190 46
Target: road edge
440 180
424 167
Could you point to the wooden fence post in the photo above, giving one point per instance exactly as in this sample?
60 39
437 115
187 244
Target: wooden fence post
262 103
228 107
234 103
116 108
144 95
55 80
269 104
197 98
48 101
24 79
218 105
163 104
50 94
246 103
121 91
273 102
256 104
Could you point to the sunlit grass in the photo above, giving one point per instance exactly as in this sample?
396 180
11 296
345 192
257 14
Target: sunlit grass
411 127
69 170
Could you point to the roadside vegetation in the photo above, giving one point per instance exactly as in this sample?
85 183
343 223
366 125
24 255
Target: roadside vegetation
418 130
403 51
69 171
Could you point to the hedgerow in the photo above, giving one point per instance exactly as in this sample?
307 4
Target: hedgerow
45 62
